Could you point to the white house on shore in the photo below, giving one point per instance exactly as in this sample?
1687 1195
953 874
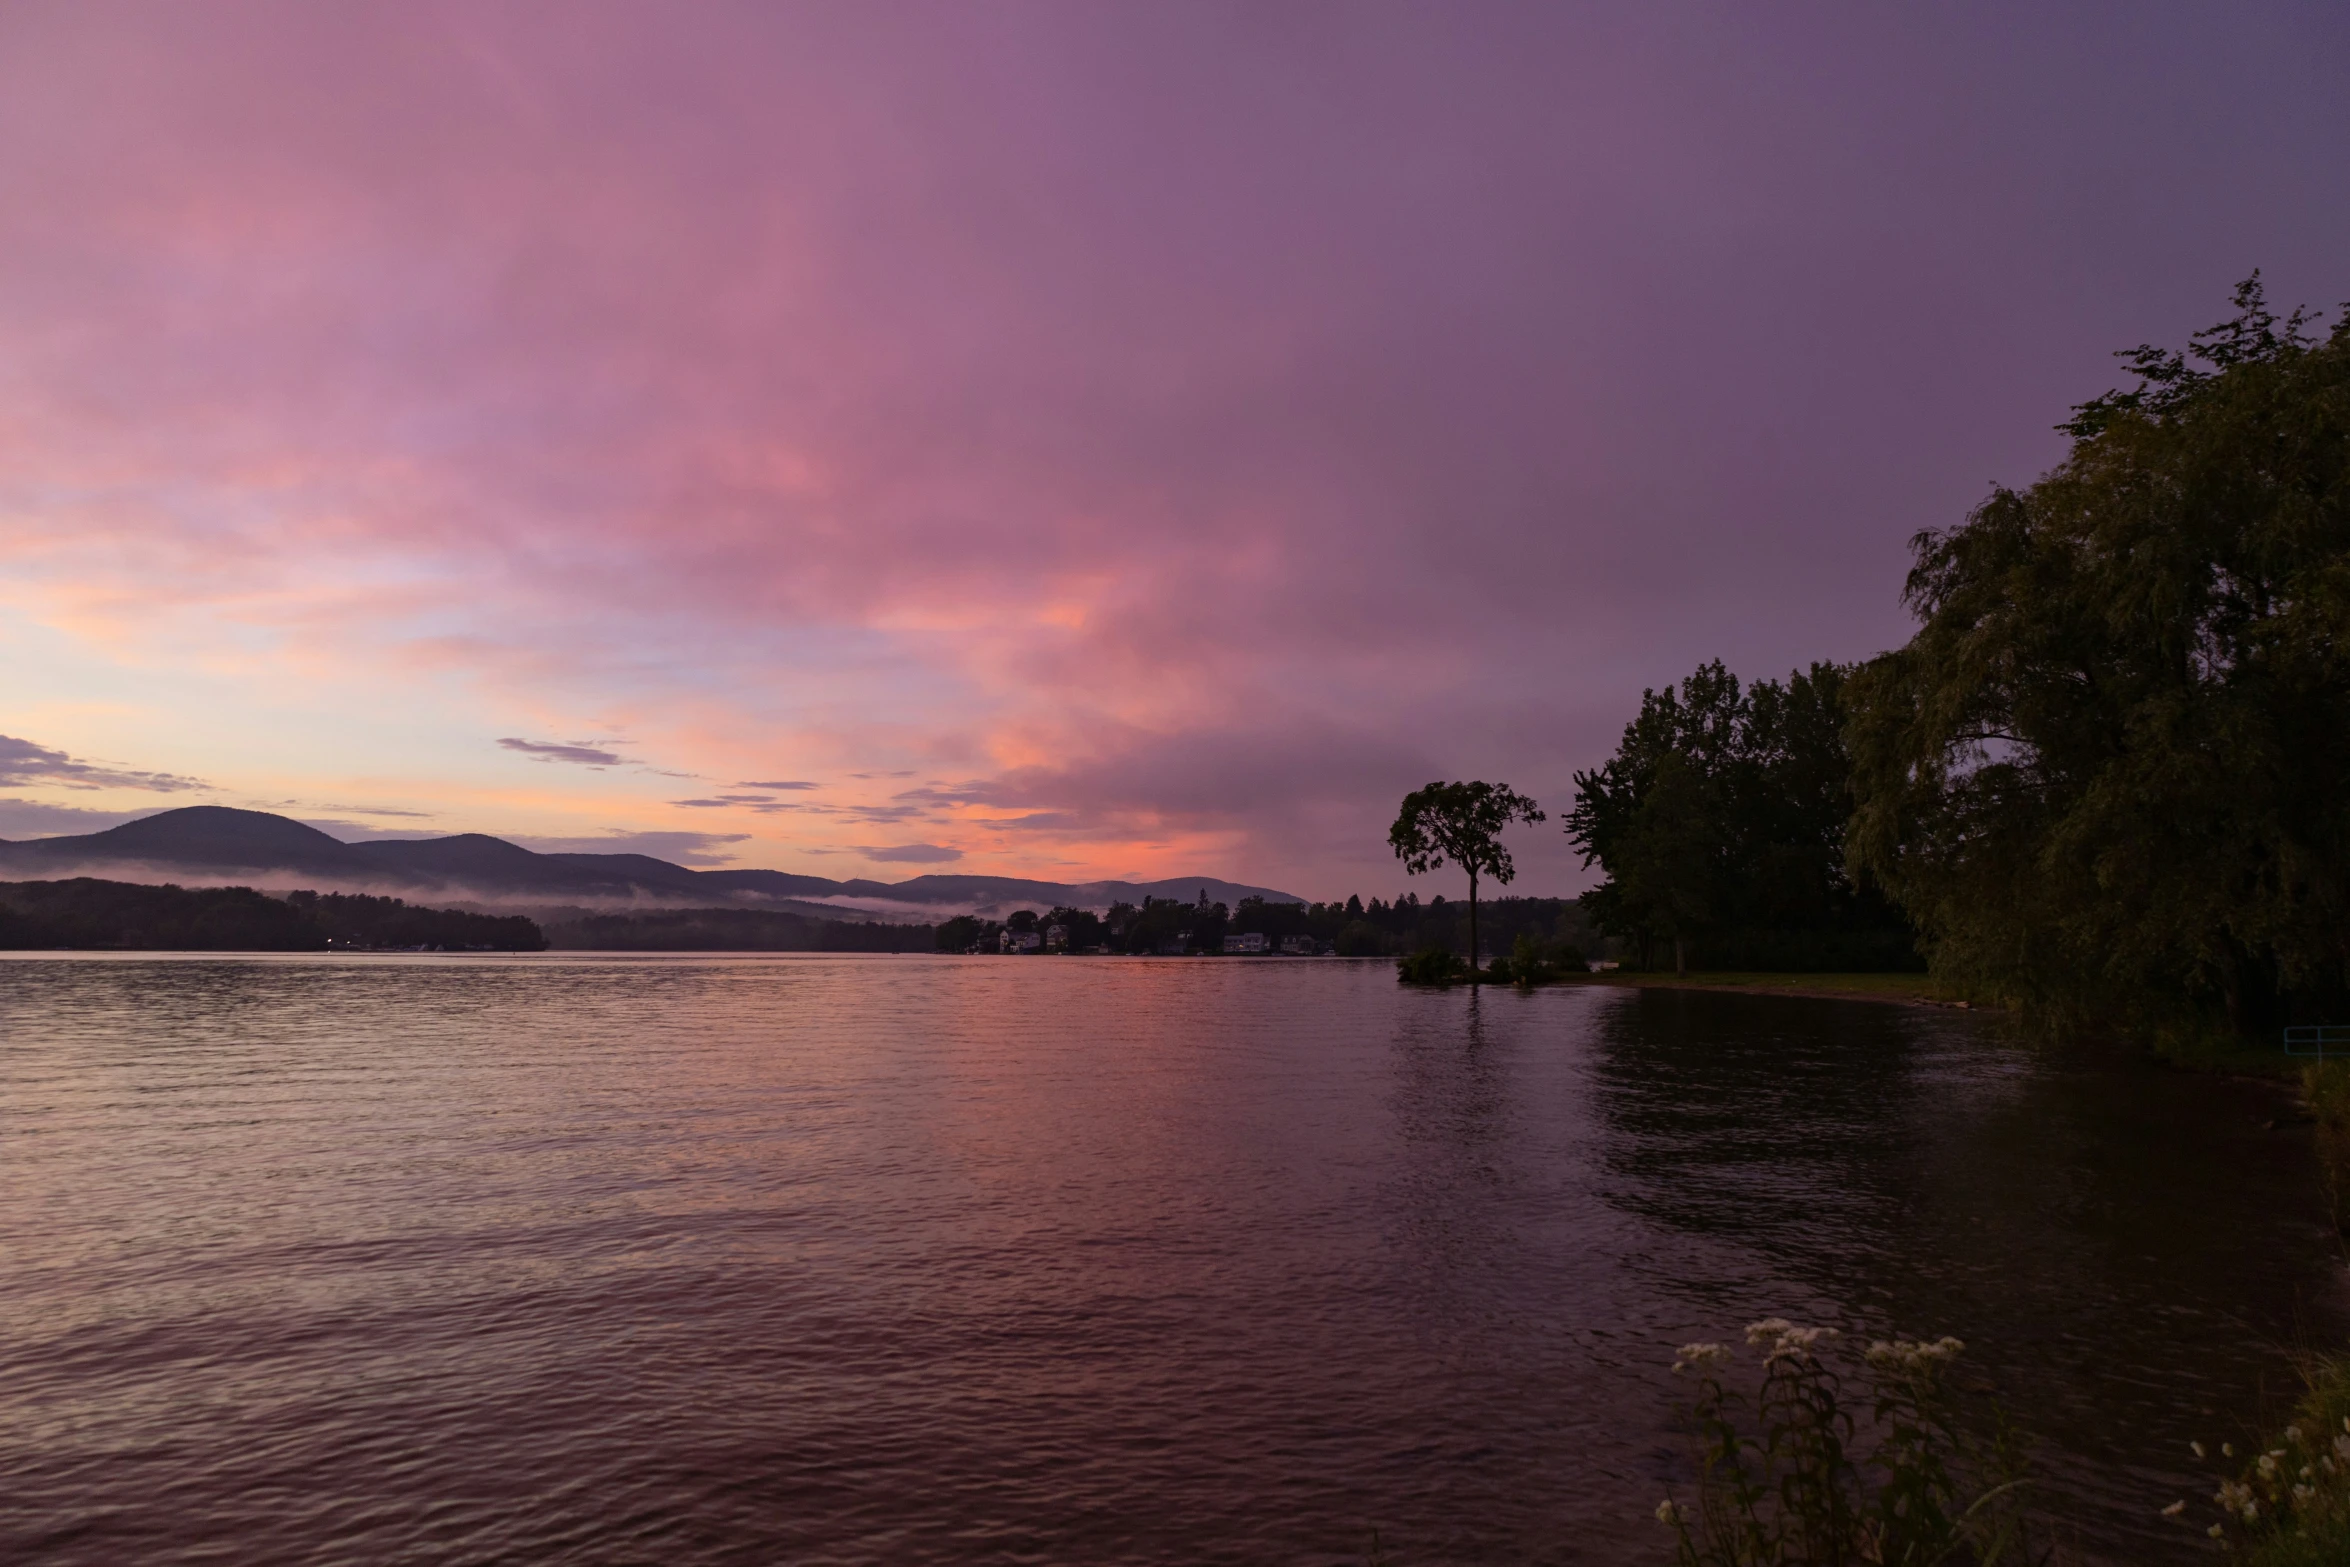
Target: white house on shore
1247 941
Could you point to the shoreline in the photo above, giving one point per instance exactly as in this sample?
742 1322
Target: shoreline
1896 989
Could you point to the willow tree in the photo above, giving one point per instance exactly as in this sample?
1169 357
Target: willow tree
2110 774
1463 823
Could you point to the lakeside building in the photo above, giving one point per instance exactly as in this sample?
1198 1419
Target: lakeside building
1247 941
1299 946
1056 938
1019 941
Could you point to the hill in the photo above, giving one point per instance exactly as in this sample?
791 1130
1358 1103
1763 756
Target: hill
214 844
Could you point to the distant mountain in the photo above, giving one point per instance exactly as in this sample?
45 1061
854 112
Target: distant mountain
215 844
208 840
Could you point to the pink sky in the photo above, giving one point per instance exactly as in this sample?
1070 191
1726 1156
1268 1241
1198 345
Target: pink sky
1072 440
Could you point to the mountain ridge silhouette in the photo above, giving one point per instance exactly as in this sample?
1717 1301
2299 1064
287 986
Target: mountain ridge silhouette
214 842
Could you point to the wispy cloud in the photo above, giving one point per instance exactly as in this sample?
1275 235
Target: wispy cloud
40 819
779 783
909 853
24 764
376 810
760 803
564 751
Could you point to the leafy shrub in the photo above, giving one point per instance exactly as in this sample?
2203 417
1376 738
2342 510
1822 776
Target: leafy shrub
2326 1089
2289 1503
1789 1473
1432 966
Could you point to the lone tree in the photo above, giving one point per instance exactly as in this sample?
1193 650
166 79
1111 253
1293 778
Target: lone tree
1460 822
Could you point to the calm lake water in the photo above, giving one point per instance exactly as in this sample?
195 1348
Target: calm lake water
804 1259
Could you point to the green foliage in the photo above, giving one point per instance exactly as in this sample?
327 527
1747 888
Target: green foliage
1535 961
2287 1503
1790 1472
1720 824
1462 823
2325 1088
2106 776
1432 966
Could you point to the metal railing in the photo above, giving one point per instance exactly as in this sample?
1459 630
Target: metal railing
2318 1039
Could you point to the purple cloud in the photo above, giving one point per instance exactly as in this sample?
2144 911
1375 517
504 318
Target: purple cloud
564 751
909 853
24 764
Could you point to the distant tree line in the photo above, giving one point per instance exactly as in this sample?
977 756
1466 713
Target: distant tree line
88 913
730 930
1720 822
2109 777
1353 928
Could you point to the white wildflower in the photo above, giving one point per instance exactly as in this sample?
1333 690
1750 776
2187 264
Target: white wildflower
2342 1448
2227 1450
1667 1513
2268 1466
2174 1509
1903 1355
1791 1342
2216 1532
1768 1328
2198 1447
2302 1493
1700 1356
2292 1433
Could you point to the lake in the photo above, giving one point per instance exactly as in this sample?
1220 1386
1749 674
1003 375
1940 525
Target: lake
815 1259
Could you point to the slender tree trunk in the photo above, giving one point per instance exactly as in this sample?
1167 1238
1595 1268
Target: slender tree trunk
1680 956
1472 922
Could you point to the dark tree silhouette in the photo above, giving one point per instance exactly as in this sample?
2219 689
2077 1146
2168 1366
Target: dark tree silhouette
1460 822
2106 776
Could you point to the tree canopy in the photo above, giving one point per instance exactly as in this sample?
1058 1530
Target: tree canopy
1720 823
1462 823
2107 774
